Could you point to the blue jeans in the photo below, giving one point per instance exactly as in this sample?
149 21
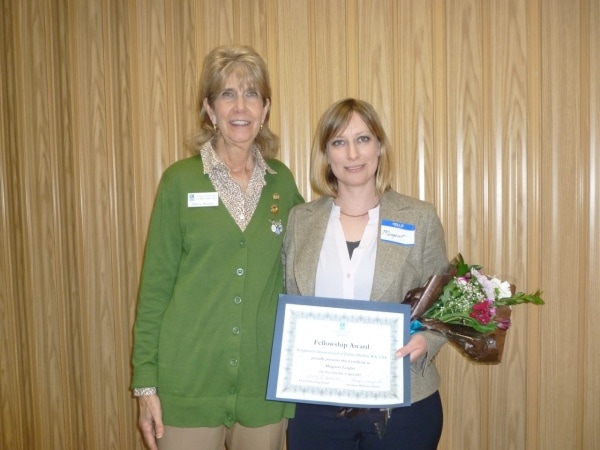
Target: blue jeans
415 427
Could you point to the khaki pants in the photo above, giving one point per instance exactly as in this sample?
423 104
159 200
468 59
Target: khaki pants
238 437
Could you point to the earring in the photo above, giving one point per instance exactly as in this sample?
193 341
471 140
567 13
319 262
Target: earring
215 127
261 127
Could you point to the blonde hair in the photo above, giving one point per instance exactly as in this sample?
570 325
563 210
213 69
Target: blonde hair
251 70
332 122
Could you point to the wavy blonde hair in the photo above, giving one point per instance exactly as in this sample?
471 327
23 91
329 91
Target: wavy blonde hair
251 70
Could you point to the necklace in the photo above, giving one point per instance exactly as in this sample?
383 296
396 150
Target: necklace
357 215
353 215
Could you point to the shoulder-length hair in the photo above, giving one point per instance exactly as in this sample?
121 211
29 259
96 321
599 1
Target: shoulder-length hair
332 122
251 70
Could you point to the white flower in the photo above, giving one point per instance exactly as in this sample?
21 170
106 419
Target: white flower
493 287
504 291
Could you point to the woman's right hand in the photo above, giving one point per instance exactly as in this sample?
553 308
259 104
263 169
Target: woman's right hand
151 420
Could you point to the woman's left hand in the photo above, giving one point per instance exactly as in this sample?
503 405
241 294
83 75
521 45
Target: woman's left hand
416 348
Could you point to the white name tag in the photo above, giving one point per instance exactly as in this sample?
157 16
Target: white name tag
398 232
203 199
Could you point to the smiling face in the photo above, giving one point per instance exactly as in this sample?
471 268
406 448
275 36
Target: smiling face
238 111
353 155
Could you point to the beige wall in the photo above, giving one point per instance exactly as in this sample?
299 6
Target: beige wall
493 108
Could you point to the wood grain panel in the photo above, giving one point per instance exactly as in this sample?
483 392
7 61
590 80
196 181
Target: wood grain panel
121 162
465 121
329 63
561 211
534 220
182 74
330 75
253 19
292 65
218 24
440 117
43 321
414 104
96 179
66 212
468 395
590 317
151 102
14 400
375 51
506 187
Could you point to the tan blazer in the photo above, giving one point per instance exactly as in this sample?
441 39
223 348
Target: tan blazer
398 268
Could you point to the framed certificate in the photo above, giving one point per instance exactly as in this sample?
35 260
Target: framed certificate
340 352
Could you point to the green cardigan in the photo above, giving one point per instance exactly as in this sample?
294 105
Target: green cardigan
207 302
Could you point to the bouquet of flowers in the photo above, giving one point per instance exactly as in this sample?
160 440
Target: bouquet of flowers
471 309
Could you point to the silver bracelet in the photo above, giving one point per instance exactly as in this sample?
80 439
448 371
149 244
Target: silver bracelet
140 392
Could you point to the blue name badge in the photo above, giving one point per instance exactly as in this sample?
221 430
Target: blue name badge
398 232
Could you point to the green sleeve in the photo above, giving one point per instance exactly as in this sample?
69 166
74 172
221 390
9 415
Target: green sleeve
161 263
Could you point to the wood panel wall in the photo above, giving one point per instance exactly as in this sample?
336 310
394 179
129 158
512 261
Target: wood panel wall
493 108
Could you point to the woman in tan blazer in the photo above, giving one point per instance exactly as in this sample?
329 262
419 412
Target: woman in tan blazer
361 240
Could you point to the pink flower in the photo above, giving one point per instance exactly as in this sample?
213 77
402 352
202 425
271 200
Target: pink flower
483 311
503 324
462 280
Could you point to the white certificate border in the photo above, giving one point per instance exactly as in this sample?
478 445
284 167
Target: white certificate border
281 388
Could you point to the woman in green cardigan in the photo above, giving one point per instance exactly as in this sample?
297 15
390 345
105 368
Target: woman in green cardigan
212 273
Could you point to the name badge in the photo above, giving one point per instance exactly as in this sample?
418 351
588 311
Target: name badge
398 232
203 199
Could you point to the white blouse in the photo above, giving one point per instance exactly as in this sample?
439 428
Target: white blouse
338 276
